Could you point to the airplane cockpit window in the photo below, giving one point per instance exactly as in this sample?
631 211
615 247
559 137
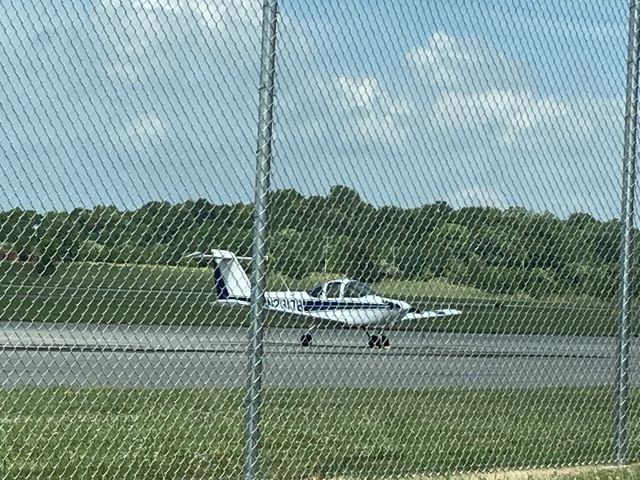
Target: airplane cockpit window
316 292
333 289
355 289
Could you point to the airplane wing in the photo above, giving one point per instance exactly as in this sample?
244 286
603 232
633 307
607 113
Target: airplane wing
431 314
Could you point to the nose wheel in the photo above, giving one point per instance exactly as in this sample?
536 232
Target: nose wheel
305 340
379 341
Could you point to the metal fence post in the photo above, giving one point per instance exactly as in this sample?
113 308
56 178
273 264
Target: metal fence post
258 266
626 237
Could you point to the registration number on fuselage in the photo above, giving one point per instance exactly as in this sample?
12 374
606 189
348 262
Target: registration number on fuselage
286 304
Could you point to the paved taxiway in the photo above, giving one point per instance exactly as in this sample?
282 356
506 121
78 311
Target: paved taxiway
82 355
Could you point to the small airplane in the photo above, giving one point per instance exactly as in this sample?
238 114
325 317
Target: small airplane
346 302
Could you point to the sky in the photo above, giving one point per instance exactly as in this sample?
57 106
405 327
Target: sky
493 103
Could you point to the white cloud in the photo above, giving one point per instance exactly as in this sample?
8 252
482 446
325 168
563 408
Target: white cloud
167 5
508 112
485 94
231 15
380 128
143 32
375 115
453 117
367 93
220 16
359 92
144 130
464 64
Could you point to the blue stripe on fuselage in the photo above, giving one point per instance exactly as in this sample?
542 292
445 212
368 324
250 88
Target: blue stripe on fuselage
324 305
321 305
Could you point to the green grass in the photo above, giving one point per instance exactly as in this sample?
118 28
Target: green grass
609 473
306 433
106 293
76 275
103 306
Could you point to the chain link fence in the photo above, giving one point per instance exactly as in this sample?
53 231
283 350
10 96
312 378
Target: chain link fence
425 274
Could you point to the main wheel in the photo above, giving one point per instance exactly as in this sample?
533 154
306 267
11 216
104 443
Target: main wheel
305 339
381 341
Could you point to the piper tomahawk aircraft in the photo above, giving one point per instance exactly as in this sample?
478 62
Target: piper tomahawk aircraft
345 302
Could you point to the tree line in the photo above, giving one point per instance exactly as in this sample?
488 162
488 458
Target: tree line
498 251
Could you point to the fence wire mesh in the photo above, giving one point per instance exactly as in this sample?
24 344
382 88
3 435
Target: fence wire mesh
443 251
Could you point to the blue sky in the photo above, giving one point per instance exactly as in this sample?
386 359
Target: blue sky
502 103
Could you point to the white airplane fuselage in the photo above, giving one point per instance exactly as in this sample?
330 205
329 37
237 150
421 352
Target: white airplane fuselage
345 301
370 310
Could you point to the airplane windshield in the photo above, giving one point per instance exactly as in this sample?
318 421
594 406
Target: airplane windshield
355 289
332 290
316 291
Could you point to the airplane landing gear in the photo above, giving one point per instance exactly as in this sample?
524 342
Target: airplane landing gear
305 339
379 341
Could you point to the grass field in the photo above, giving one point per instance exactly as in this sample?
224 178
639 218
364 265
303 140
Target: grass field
106 293
314 433
584 472
307 433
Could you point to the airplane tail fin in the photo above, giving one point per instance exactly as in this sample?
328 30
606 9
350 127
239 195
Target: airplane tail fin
231 280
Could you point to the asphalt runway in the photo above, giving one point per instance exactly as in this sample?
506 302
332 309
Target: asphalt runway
83 355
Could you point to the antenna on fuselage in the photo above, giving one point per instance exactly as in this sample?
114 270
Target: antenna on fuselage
202 255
